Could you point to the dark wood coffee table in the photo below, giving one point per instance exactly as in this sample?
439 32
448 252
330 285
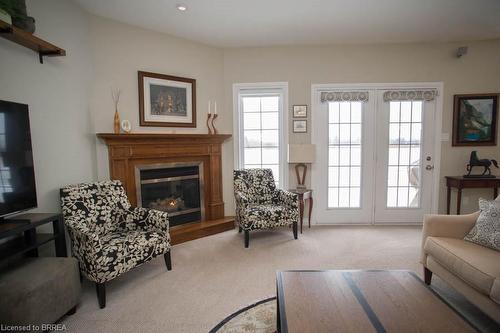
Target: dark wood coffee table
361 301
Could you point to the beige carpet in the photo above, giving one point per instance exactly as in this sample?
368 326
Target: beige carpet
215 276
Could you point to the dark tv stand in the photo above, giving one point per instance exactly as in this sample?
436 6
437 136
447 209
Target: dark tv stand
28 243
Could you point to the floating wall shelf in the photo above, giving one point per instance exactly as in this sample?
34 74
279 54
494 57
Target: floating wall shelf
18 36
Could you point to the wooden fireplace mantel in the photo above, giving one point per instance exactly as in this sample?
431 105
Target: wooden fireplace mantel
127 151
155 138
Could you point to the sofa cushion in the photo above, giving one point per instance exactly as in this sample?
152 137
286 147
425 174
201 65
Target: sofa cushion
477 265
486 231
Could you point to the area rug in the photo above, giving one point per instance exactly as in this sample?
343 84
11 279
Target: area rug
259 317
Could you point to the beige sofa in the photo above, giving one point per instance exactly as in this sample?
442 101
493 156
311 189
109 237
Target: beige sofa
471 269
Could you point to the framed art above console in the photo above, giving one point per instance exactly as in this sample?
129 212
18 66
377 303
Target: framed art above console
475 120
166 101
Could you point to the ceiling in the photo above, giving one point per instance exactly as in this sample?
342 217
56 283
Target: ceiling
240 23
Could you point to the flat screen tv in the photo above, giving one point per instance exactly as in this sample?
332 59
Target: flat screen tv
17 173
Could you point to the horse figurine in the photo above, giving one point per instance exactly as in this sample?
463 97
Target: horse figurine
485 163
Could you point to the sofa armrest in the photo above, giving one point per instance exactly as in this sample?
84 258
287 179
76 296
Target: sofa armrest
450 226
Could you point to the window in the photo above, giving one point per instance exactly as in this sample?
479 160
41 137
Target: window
403 173
260 129
344 154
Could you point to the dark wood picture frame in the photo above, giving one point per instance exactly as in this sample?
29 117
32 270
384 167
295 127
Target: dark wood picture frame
456 120
299 131
295 109
143 122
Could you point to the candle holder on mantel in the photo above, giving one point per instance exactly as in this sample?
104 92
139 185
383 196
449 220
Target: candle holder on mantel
213 123
209 116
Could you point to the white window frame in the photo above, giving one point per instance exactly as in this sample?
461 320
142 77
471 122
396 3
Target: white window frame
262 88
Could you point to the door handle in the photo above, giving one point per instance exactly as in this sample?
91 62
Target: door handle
429 167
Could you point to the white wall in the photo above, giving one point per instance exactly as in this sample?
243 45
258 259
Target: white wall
477 72
120 50
57 94
70 101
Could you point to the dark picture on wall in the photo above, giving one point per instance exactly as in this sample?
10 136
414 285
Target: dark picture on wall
475 120
166 100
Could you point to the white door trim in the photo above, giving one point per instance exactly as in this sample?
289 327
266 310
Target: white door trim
438 116
237 119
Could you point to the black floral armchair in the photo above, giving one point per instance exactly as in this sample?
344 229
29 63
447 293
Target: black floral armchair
260 205
109 237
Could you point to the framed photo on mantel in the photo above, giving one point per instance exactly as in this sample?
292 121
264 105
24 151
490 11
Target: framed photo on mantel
475 120
166 101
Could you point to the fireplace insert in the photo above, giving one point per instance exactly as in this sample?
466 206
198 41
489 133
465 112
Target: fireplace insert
176 188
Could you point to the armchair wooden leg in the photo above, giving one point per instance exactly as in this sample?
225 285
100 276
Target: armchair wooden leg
239 229
100 288
168 260
295 235
427 276
247 238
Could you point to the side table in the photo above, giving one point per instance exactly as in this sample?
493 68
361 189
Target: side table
304 195
460 183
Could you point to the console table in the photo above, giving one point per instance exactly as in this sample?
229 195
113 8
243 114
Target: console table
460 183
304 195
29 243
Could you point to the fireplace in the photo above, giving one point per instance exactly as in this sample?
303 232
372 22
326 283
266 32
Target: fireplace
146 154
176 188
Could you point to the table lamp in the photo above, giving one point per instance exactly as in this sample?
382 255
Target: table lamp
301 154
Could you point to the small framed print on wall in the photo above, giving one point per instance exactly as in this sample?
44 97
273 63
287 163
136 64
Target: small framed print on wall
300 111
167 101
300 126
475 120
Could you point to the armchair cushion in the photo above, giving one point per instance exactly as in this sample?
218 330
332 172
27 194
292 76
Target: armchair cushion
486 231
123 250
265 217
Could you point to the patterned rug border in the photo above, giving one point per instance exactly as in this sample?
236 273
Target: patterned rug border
231 316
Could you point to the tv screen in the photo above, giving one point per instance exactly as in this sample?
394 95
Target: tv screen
17 174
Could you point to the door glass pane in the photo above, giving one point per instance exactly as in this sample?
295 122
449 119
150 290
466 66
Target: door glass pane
261 128
404 147
344 154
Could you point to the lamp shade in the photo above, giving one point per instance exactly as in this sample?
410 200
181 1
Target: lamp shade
301 153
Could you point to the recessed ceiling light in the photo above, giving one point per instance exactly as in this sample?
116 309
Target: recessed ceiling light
182 8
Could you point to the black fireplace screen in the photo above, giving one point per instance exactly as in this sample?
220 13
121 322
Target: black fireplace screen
175 190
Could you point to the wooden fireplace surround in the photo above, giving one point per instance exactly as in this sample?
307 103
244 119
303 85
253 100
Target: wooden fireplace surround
126 151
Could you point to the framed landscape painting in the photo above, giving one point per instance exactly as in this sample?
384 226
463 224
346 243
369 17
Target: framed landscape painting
300 126
166 100
475 120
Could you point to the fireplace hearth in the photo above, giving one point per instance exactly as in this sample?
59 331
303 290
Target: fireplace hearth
175 188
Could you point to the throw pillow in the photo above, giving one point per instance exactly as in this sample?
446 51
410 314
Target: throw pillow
486 231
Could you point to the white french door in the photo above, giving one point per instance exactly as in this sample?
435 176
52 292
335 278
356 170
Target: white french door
376 149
